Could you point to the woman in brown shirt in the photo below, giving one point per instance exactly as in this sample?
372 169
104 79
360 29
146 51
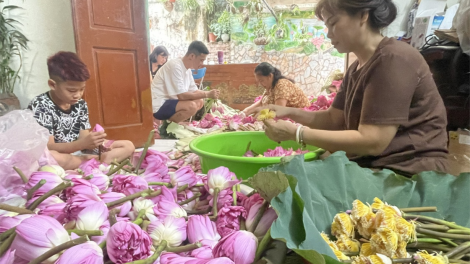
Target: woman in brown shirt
280 90
388 113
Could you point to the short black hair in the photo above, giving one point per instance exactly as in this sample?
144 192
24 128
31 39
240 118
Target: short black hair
197 48
381 12
157 51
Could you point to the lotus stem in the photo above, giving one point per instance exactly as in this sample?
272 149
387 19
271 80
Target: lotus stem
56 250
182 188
429 240
128 198
214 205
85 232
195 196
419 209
35 188
167 184
435 227
461 248
434 220
89 177
119 167
23 177
15 209
7 233
263 245
112 216
429 246
441 235
462 254
138 221
154 257
242 223
144 151
258 217
458 231
185 248
7 243
145 225
40 199
199 185
153 194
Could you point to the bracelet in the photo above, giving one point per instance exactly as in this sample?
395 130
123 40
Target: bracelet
301 138
297 134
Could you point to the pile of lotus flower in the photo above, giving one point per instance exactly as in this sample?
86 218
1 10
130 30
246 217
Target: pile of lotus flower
381 233
134 211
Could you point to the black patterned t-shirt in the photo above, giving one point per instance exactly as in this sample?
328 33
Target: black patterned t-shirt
64 126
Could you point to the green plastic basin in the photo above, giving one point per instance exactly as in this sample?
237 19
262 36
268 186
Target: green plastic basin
227 149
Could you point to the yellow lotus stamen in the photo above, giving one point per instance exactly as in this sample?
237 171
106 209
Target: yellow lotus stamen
384 241
342 225
347 244
266 114
366 250
423 257
340 255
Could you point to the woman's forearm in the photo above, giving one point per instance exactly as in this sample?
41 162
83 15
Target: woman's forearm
350 141
317 120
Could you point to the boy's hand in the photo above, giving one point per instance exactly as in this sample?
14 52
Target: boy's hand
93 140
214 94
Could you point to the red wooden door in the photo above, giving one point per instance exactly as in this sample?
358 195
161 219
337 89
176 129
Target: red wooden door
112 39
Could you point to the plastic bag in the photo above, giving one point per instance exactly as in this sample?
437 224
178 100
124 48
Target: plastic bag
461 23
22 143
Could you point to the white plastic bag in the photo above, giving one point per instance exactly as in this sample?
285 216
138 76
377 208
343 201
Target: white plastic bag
462 24
22 143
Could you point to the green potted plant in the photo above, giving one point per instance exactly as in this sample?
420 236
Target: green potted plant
260 31
225 27
12 43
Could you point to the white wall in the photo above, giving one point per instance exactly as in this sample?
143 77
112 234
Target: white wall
49 27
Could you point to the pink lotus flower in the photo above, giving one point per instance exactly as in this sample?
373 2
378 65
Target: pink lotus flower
77 203
8 257
202 229
228 219
172 258
88 166
13 200
56 169
171 229
184 175
51 200
7 222
52 180
204 252
220 178
36 235
99 179
98 128
127 242
191 206
166 208
56 211
225 199
88 252
129 184
81 186
154 162
124 208
92 217
240 246
166 194
223 260
143 204
266 220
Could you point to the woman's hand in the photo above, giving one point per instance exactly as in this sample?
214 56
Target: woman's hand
280 130
281 111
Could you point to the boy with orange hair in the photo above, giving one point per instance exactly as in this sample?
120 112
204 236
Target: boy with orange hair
65 114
